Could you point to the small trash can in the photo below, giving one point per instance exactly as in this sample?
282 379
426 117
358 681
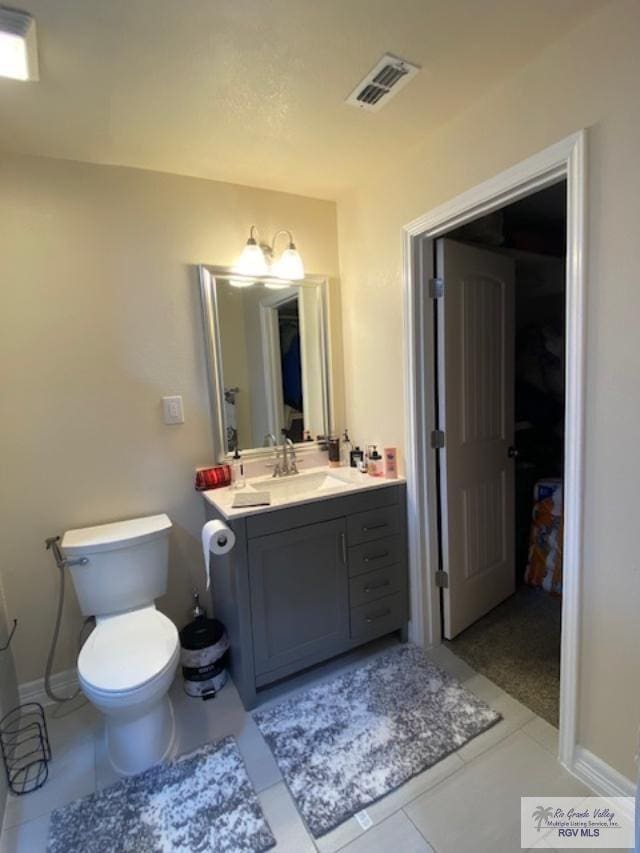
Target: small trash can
204 654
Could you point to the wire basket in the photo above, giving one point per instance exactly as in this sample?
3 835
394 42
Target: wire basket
24 741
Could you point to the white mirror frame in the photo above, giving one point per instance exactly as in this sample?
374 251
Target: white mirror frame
213 351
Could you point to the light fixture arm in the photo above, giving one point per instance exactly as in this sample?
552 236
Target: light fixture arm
286 231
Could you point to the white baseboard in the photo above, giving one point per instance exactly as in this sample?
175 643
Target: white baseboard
596 774
62 683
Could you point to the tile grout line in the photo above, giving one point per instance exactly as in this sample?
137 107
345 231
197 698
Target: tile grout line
417 828
497 743
295 807
538 743
402 807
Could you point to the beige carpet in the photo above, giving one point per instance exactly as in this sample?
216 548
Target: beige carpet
517 646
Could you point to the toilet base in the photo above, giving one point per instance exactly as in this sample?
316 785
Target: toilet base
134 745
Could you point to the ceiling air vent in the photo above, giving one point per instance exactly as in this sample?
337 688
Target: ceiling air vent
384 81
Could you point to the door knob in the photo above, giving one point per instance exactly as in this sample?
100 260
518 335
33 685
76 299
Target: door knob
512 452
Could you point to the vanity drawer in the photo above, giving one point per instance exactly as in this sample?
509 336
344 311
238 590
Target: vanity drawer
374 585
375 555
373 524
379 617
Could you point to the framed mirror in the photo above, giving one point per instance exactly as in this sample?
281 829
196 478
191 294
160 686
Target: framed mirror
266 342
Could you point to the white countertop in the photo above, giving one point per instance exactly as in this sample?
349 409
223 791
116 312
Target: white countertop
311 484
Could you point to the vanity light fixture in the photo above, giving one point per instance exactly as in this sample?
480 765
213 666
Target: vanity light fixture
18 50
257 259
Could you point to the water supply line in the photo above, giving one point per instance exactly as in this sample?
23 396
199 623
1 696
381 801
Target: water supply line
62 563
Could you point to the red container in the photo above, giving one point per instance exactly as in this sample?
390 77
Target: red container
213 478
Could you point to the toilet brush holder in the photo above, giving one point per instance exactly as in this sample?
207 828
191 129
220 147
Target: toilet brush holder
26 753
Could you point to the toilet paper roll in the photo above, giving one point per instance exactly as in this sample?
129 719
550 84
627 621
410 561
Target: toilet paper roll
216 538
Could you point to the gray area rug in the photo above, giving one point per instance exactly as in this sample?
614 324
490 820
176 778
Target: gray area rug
345 743
202 801
517 646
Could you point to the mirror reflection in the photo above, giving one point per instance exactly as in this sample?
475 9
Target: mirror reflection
272 361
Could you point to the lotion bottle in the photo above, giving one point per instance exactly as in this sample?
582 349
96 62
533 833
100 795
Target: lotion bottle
374 464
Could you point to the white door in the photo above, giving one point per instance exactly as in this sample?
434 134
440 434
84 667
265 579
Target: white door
476 337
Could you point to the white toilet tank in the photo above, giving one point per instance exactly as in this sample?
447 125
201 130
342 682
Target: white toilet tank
128 563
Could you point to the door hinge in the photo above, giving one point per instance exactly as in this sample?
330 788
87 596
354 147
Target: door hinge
442 579
436 288
437 439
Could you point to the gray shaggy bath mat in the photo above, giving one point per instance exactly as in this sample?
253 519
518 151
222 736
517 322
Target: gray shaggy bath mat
202 801
347 742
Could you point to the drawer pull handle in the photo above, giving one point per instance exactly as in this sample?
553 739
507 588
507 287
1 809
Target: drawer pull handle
379 615
379 556
375 527
375 586
343 545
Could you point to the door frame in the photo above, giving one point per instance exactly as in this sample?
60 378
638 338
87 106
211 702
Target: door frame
564 160
272 358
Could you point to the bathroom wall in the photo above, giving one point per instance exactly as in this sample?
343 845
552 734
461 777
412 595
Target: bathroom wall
588 79
100 317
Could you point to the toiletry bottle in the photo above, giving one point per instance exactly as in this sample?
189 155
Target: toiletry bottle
390 455
334 452
345 453
356 457
238 480
374 463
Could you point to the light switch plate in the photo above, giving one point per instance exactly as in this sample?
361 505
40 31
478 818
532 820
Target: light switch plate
172 410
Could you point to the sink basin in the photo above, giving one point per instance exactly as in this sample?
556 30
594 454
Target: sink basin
297 485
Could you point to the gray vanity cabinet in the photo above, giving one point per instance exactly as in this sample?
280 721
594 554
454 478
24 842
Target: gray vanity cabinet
310 581
299 594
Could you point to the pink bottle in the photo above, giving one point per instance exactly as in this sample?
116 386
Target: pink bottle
390 463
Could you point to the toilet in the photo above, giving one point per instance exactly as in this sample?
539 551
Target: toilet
127 664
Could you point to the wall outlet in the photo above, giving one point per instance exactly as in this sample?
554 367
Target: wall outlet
172 410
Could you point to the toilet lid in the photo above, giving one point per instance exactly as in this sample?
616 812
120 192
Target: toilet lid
125 651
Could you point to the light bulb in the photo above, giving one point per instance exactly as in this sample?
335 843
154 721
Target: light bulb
273 286
241 282
252 260
289 265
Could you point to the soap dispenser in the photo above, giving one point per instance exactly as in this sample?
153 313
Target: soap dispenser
238 480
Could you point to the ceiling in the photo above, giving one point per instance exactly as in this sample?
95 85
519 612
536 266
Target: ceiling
252 91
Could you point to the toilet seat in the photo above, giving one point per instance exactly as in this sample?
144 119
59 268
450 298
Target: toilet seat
127 651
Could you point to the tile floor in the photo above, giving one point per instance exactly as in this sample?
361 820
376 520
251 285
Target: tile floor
469 801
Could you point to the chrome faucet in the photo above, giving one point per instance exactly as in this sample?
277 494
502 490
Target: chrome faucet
285 457
288 458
